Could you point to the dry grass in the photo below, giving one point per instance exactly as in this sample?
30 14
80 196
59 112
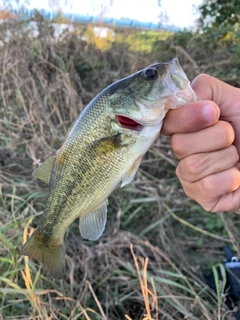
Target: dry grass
149 262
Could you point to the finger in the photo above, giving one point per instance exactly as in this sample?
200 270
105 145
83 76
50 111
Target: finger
224 95
209 190
191 118
198 166
228 202
210 88
216 137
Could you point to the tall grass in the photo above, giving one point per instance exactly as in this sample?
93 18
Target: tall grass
149 262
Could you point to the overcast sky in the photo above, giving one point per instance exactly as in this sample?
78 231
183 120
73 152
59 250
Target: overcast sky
179 13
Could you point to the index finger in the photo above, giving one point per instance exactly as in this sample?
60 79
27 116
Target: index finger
192 117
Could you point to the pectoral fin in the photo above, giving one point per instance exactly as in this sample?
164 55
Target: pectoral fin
108 144
92 225
129 176
43 172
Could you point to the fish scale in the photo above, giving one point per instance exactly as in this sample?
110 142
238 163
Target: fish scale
104 147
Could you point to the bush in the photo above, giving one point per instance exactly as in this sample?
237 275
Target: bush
46 81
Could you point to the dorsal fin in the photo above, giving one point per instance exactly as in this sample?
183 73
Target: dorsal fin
43 172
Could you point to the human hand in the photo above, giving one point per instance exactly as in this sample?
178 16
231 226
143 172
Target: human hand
206 140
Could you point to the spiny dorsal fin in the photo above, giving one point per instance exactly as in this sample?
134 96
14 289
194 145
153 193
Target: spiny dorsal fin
92 225
43 172
129 176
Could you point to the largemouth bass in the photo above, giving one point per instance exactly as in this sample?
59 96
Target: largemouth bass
104 147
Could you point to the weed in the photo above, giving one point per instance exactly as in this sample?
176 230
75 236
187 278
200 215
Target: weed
148 263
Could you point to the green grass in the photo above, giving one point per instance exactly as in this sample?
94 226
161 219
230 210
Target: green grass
143 264
149 263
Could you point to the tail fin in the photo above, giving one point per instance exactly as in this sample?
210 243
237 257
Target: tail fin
52 257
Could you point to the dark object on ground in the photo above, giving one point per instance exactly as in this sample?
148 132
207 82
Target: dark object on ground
232 287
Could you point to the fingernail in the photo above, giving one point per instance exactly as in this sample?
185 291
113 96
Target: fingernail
210 113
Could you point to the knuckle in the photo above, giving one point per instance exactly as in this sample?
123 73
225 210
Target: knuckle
208 185
193 164
188 192
179 172
178 145
204 201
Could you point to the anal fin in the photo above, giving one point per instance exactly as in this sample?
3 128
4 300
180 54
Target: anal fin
92 225
129 176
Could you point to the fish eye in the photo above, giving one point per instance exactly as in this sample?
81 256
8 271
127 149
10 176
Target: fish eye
150 74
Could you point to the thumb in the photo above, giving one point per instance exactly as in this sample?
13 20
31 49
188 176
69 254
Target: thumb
225 96
210 88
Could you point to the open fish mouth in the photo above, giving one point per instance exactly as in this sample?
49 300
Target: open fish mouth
128 123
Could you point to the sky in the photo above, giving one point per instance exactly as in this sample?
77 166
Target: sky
177 13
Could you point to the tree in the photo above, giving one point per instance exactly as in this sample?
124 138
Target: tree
219 13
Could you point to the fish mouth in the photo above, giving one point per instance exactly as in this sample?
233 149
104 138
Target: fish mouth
128 123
